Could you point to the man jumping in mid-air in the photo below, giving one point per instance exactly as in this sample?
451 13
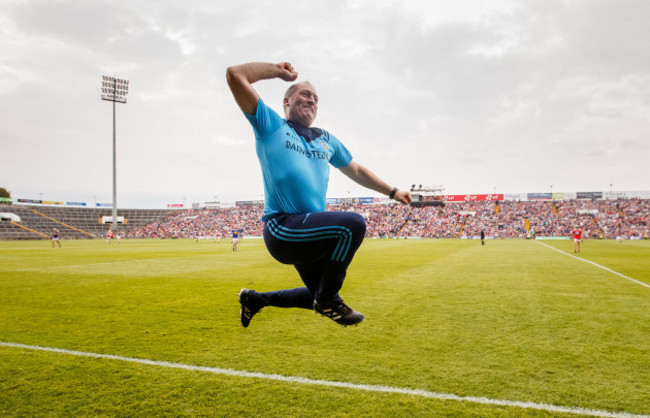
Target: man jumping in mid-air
295 159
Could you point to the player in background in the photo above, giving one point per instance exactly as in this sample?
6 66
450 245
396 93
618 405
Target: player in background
295 159
55 237
235 239
482 237
109 236
577 239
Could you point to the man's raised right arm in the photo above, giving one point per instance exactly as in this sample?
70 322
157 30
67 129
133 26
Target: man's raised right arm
241 78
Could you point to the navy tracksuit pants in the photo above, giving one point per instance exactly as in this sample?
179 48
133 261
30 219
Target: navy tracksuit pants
321 246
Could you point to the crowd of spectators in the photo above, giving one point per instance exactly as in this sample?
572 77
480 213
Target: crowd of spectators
623 218
206 223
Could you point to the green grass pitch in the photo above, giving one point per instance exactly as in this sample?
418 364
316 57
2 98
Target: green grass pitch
513 320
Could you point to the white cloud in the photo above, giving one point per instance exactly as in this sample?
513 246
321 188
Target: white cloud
472 95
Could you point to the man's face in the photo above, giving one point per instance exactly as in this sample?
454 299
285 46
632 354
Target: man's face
302 105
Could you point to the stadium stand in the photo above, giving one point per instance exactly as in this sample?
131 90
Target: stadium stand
204 223
506 219
622 218
37 222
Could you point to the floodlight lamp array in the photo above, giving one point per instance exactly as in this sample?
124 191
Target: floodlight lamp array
430 189
114 89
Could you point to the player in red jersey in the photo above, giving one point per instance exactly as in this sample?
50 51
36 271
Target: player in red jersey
577 239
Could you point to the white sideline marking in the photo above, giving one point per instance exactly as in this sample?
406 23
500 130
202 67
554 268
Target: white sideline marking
597 265
369 388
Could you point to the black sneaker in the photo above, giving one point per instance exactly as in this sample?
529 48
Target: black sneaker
251 303
339 312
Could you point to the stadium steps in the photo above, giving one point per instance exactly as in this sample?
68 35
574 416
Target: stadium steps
73 222
595 222
90 219
555 209
63 223
31 225
401 227
462 227
29 229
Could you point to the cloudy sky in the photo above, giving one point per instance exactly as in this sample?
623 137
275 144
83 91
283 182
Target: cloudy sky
477 96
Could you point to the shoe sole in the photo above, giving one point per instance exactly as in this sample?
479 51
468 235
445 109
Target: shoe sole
241 308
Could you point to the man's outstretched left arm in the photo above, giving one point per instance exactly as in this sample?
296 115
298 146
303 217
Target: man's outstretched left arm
370 180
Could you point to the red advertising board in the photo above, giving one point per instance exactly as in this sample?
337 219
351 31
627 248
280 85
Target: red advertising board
473 197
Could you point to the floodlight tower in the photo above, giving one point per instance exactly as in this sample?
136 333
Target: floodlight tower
114 90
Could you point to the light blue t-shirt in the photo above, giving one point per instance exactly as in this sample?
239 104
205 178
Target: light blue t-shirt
295 162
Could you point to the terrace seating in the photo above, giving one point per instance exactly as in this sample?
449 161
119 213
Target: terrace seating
12 231
72 222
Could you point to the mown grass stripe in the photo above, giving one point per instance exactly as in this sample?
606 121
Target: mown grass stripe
162 259
596 264
355 386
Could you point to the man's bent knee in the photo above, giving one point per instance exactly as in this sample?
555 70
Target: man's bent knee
356 223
